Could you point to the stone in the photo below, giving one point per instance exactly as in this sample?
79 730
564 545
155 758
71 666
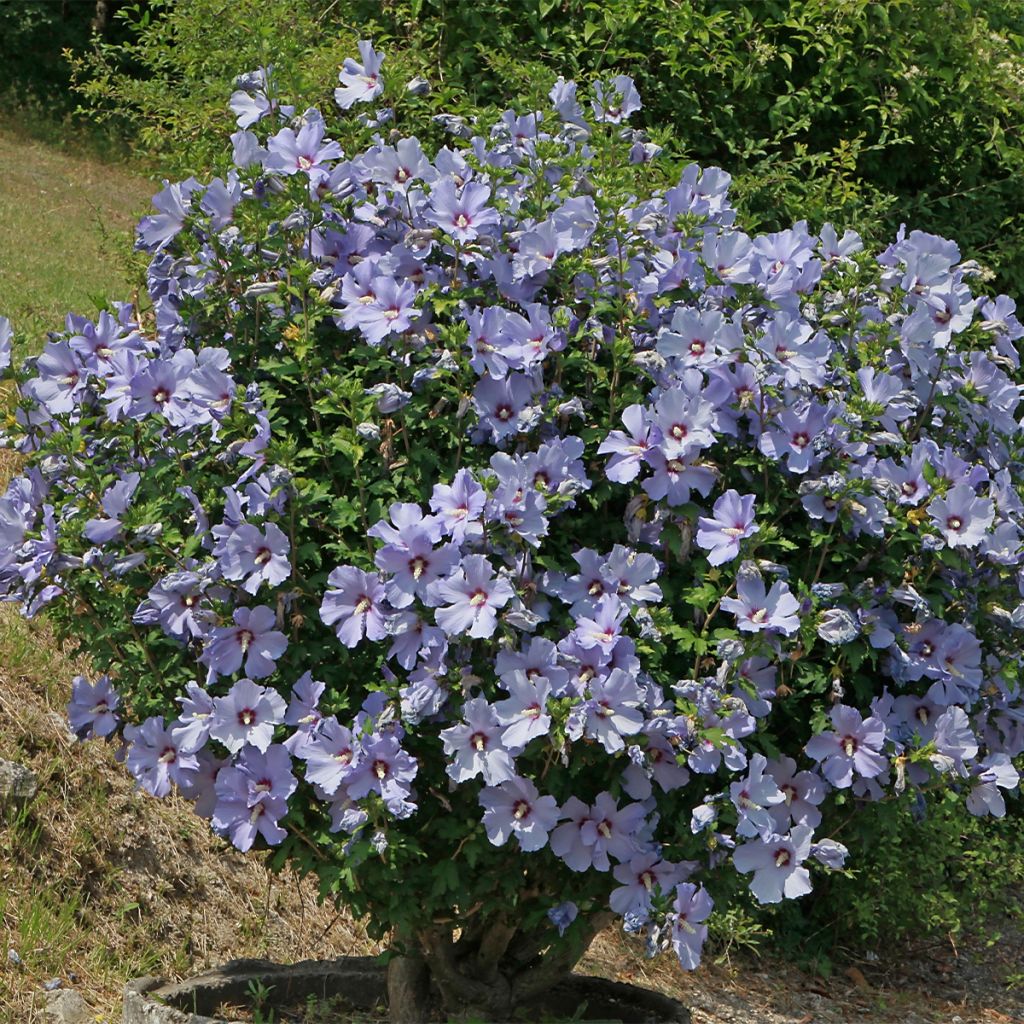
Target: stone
361 982
66 1006
17 784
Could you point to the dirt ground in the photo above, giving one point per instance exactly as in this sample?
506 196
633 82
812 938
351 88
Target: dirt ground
936 983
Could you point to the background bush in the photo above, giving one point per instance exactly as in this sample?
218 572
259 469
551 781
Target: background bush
32 37
865 113
35 78
918 877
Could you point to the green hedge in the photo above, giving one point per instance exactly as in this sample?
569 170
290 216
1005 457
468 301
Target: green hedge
862 112
865 113
943 874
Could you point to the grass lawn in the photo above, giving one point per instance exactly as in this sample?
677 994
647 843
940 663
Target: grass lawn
64 222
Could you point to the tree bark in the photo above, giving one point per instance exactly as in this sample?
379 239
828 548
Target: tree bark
464 994
492 946
101 18
490 970
534 979
408 989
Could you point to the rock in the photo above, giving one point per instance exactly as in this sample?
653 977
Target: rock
66 1006
17 784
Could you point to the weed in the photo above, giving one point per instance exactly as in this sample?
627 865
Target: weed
259 996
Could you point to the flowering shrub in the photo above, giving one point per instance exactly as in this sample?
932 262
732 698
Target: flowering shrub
513 541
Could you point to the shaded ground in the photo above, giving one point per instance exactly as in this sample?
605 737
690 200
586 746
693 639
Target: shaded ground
930 984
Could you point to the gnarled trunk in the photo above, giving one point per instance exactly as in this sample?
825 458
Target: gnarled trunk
408 989
492 968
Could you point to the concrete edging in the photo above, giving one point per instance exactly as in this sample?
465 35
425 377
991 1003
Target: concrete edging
149 1000
362 983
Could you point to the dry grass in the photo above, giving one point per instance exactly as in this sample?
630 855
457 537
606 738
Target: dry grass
102 882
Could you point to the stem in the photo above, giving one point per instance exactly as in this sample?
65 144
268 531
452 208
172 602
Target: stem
458 451
293 557
362 507
145 650
707 622
317 850
821 563
138 636
824 551
622 325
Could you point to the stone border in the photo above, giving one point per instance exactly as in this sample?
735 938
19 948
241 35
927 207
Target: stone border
361 981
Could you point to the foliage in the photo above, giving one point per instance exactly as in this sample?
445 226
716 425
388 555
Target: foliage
482 659
844 110
900 891
169 77
32 36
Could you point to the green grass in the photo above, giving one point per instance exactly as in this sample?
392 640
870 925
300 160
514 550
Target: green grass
64 221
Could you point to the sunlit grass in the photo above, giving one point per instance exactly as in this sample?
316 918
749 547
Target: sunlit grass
65 220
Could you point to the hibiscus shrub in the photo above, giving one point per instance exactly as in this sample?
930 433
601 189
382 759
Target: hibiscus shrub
510 539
